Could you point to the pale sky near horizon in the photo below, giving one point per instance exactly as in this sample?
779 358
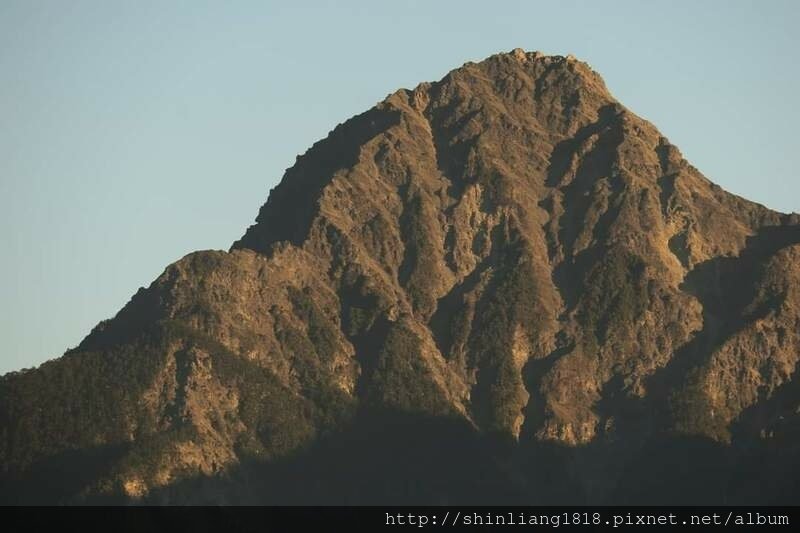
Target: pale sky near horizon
134 132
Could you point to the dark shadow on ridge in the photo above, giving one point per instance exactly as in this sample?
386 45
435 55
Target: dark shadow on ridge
725 286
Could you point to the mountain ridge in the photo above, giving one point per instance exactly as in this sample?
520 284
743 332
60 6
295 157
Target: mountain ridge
508 258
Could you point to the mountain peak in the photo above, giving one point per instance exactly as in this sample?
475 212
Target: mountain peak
472 109
504 259
520 54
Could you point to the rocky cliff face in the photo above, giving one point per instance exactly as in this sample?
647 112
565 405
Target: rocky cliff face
502 286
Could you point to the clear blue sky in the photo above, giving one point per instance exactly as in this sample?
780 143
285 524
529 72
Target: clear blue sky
132 133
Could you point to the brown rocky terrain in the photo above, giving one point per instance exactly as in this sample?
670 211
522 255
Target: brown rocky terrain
502 287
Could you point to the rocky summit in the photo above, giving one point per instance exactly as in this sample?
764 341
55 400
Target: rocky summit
501 287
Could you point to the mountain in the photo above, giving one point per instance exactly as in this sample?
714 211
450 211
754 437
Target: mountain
502 287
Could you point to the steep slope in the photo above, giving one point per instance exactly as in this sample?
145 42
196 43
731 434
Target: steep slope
505 276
